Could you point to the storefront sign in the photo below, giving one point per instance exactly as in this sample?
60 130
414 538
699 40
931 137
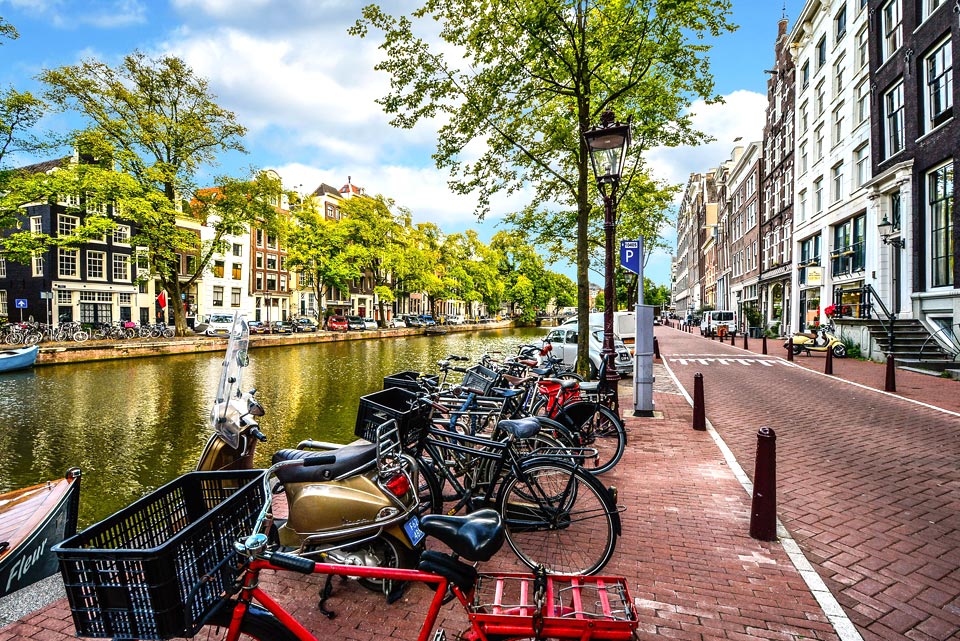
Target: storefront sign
814 276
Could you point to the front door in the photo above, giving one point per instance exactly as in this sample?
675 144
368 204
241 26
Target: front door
895 275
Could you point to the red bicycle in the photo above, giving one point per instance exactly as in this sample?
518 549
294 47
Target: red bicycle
178 562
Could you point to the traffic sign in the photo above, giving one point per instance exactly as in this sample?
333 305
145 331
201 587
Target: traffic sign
631 255
20 303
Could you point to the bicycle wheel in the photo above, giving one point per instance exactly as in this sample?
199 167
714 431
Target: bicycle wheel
80 336
429 490
558 515
257 624
168 333
598 428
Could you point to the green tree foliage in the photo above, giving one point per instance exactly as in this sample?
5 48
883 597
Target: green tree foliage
159 123
7 30
529 77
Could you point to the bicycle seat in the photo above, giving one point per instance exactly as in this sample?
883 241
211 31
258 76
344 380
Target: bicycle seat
506 392
521 427
590 387
476 536
349 458
541 371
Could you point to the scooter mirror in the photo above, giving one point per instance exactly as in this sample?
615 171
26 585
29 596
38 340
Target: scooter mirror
225 415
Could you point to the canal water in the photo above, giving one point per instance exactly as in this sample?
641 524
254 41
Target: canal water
132 425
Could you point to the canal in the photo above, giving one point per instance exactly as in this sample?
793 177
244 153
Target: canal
132 425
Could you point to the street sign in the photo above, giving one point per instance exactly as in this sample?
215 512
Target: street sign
631 255
20 303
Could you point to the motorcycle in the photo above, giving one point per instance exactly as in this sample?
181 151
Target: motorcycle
818 341
361 509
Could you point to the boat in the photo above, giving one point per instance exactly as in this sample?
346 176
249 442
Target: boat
435 329
19 358
33 520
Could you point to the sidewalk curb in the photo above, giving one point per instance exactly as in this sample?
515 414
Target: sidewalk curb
842 624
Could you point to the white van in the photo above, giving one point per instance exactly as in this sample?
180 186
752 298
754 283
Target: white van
624 326
713 319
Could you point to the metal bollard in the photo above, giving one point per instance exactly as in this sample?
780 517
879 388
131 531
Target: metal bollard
764 344
763 511
699 418
656 348
790 349
746 345
828 366
890 384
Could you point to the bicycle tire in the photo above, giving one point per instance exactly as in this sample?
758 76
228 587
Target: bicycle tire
560 516
32 338
257 624
596 426
80 336
429 490
169 333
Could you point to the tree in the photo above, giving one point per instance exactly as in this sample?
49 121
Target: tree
7 30
529 77
159 123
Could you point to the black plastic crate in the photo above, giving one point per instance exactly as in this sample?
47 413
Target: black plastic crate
393 403
154 569
408 380
480 378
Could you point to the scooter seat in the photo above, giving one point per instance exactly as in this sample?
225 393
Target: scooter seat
521 427
807 334
476 536
349 458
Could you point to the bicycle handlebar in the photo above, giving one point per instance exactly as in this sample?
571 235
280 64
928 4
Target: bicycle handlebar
299 564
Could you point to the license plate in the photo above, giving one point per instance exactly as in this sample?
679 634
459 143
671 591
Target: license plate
412 528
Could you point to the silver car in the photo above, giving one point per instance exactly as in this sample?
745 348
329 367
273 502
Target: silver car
564 342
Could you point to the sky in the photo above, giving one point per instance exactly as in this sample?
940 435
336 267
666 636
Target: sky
306 91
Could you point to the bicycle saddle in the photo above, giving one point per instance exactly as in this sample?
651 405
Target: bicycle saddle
476 536
349 458
521 427
506 392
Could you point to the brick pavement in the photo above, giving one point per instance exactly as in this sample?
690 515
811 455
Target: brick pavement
685 550
868 483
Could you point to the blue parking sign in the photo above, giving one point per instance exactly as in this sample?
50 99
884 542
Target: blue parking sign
20 303
631 255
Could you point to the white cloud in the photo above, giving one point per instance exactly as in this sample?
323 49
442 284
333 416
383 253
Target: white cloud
741 115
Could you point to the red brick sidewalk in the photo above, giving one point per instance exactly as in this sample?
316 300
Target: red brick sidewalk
685 550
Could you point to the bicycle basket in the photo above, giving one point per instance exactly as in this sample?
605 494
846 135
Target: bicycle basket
480 378
409 380
395 403
155 570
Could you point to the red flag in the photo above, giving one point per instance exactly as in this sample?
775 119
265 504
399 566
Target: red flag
162 299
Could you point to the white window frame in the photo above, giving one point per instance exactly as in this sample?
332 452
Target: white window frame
862 48
804 158
836 127
121 268
891 29
861 165
861 104
36 225
37 265
938 82
948 252
818 196
121 235
93 258
64 259
67 225
893 120
836 183
929 6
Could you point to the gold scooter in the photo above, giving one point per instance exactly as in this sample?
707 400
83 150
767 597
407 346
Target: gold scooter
818 341
359 507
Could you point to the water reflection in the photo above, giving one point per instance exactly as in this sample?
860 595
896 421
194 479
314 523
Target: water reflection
132 425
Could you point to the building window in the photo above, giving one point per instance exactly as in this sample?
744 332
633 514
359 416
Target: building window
804 161
235 297
804 118
121 235
837 128
895 209
862 56
121 268
237 249
802 206
940 189
818 143
3 299
840 23
217 296
893 115
821 52
37 265
929 6
836 174
259 238
861 164
272 262
3 269
271 241
259 260
237 271
820 99
838 78
64 297
218 267
66 225
95 265
36 225
272 282
861 108
848 246
818 195
805 74
891 28
191 265
67 263
938 70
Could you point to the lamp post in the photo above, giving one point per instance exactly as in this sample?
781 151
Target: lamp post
607 144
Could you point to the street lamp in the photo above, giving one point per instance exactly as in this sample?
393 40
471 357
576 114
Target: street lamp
608 145
886 230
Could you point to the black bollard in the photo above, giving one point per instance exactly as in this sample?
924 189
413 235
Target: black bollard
790 349
890 385
656 348
763 512
828 366
699 418
746 345
764 344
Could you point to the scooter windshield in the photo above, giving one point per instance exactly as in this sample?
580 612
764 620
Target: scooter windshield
225 415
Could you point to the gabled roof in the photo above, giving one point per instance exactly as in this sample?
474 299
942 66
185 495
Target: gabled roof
46 165
325 190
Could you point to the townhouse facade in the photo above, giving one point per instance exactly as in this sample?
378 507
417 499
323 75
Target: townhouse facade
744 203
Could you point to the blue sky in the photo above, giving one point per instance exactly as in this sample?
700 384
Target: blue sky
306 90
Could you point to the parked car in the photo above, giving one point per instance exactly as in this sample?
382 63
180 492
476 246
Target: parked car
258 327
305 325
564 341
413 321
369 323
217 325
355 323
281 327
397 321
428 320
337 324
455 319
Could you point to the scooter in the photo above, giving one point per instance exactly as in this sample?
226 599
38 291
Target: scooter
819 341
361 509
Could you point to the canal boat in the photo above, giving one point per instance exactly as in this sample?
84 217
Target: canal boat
19 358
32 520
